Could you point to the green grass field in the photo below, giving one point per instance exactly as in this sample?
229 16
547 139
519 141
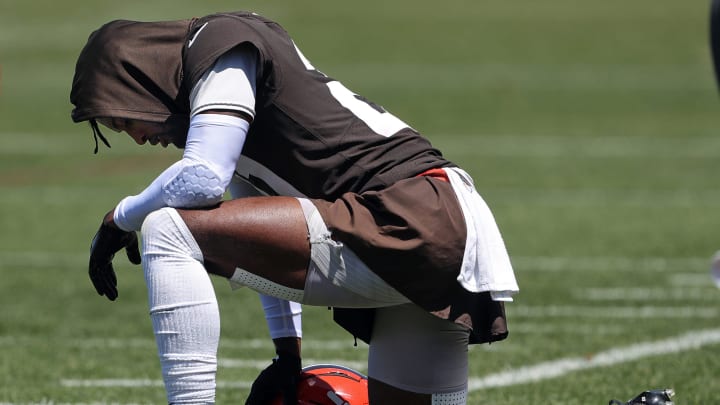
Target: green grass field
591 129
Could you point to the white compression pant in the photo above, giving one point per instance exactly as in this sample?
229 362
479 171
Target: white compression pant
416 351
183 308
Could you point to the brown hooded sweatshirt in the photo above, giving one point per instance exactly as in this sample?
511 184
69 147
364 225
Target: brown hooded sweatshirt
132 70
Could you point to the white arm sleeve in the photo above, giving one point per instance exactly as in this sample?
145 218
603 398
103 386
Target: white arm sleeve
213 147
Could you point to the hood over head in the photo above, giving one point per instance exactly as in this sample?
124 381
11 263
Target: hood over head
132 70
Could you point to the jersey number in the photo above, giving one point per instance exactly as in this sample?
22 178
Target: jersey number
374 116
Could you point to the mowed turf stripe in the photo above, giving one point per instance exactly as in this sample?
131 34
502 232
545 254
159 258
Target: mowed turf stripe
570 148
137 383
342 345
524 145
585 197
613 312
561 367
43 259
604 294
672 265
531 77
605 197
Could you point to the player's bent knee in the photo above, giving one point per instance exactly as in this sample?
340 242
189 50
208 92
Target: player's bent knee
165 233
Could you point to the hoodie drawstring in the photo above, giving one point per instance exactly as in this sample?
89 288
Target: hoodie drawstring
96 134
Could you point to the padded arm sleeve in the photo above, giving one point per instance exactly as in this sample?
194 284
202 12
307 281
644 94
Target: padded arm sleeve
200 179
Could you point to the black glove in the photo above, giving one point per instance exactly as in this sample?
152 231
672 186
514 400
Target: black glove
107 241
281 377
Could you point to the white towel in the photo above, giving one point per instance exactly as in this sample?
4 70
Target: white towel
486 264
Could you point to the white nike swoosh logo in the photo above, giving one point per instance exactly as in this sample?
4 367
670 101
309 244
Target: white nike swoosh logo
196 34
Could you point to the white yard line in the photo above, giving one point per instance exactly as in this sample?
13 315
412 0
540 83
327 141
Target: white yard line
561 367
701 279
324 345
343 345
603 294
542 371
614 312
137 383
111 382
562 328
614 263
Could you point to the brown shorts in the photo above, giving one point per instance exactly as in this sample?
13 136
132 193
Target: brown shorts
412 234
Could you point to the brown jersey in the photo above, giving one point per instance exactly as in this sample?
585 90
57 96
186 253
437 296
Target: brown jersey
309 129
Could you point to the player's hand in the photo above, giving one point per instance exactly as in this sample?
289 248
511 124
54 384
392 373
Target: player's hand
279 378
107 241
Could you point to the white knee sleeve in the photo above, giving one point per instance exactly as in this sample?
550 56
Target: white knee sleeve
183 308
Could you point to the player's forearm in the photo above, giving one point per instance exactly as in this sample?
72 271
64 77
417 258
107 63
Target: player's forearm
200 179
132 210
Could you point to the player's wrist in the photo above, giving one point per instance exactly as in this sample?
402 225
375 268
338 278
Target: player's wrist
109 219
288 346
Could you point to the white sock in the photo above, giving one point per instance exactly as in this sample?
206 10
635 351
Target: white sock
183 308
